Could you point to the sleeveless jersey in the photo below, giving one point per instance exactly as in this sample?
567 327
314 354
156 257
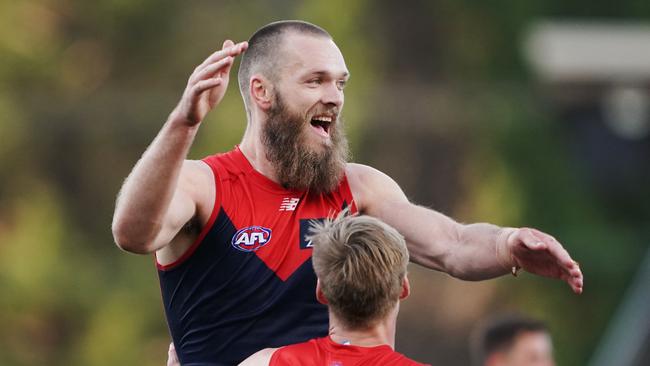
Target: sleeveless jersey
247 283
325 352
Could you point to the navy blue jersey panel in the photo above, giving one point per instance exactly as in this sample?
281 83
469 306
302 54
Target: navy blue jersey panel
223 304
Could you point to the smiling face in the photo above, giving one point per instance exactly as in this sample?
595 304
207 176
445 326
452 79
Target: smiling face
302 134
311 84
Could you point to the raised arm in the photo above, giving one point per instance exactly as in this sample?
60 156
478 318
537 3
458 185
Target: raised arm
163 192
469 252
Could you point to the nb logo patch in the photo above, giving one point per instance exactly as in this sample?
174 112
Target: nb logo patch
250 239
289 204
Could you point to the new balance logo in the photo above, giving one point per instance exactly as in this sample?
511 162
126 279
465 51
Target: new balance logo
289 204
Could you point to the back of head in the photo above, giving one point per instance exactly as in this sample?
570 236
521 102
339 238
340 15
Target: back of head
361 264
498 334
264 51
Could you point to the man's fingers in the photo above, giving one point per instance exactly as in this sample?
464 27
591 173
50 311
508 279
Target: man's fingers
234 50
558 251
579 282
550 257
576 284
561 255
572 274
215 56
536 240
237 49
204 85
210 70
575 272
563 258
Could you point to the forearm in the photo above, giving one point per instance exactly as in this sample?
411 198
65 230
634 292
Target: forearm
152 205
148 190
480 252
469 252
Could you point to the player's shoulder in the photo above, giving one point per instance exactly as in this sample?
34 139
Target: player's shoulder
196 166
219 165
369 185
196 173
360 169
363 177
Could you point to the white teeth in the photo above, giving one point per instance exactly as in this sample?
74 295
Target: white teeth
323 119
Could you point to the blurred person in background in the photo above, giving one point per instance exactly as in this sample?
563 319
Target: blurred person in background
360 263
512 340
228 231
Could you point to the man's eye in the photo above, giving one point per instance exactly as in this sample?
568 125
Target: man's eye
341 84
314 81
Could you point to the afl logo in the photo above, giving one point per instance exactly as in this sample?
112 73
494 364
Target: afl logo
250 239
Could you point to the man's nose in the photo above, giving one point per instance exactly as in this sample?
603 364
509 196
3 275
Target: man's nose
332 95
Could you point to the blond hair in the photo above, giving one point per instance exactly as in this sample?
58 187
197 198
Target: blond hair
361 264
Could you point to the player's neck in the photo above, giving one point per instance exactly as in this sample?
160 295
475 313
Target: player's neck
381 333
254 151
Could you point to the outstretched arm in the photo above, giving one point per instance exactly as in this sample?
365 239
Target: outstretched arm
470 252
161 194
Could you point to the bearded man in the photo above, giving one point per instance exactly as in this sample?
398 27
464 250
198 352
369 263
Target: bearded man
228 232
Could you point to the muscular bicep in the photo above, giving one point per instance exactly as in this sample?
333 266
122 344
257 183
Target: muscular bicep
186 213
430 235
179 214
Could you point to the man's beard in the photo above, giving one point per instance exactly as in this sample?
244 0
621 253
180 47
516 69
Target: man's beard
298 167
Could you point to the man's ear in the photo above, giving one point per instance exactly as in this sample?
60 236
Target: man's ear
320 296
261 91
406 288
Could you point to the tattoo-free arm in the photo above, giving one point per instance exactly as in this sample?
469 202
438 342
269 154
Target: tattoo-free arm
162 193
469 252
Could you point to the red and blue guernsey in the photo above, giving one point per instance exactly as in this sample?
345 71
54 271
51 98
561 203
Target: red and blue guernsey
247 283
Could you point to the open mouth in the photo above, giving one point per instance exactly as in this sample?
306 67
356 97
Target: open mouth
322 124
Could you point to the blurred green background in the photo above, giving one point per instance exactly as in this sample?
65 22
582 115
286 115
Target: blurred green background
441 98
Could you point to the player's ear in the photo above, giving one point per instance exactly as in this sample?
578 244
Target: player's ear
261 91
406 288
320 296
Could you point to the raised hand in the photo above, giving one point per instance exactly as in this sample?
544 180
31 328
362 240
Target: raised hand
539 253
208 83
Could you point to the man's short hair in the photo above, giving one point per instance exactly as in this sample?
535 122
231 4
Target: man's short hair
264 45
361 264
498 334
